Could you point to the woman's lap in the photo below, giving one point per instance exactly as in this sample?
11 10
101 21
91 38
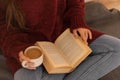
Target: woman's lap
38 74
105 57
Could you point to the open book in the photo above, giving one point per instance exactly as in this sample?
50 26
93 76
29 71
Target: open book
65 54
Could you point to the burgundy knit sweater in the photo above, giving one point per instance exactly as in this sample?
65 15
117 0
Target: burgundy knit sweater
45 21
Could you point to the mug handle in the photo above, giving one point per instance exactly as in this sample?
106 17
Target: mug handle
24 64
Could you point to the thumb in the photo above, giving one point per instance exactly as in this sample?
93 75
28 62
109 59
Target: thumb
22 57
84 39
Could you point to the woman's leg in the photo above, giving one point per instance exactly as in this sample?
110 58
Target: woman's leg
38 74
104 58
25 74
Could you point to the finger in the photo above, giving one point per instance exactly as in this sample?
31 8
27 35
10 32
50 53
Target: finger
75 33
20 54
90 34
86 38
86 35
20 60
83 36
23 57
31 65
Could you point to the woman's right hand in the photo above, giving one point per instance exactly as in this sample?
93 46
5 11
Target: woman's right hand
22 58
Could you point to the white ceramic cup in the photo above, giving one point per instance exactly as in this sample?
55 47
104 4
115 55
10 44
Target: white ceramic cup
37 61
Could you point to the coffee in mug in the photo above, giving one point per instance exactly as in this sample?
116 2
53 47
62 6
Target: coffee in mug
35 55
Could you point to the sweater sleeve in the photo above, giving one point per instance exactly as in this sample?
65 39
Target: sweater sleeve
13 43
16 41
75 14
11 40
7 43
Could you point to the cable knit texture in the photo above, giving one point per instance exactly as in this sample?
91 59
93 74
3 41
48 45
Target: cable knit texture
45 21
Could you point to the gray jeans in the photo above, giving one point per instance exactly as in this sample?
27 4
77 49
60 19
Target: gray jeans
104 58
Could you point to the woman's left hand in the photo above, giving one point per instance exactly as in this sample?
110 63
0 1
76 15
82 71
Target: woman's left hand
84 34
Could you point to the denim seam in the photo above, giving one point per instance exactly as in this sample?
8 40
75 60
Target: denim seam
101 60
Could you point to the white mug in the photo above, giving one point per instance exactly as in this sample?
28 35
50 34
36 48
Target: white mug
31 52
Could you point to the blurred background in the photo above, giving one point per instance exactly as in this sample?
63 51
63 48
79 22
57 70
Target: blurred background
109 3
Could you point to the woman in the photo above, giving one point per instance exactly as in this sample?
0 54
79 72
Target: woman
23 22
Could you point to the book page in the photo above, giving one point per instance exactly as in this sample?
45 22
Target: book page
52 54
74 49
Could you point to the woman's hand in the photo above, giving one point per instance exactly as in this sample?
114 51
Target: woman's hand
83 33
24 58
